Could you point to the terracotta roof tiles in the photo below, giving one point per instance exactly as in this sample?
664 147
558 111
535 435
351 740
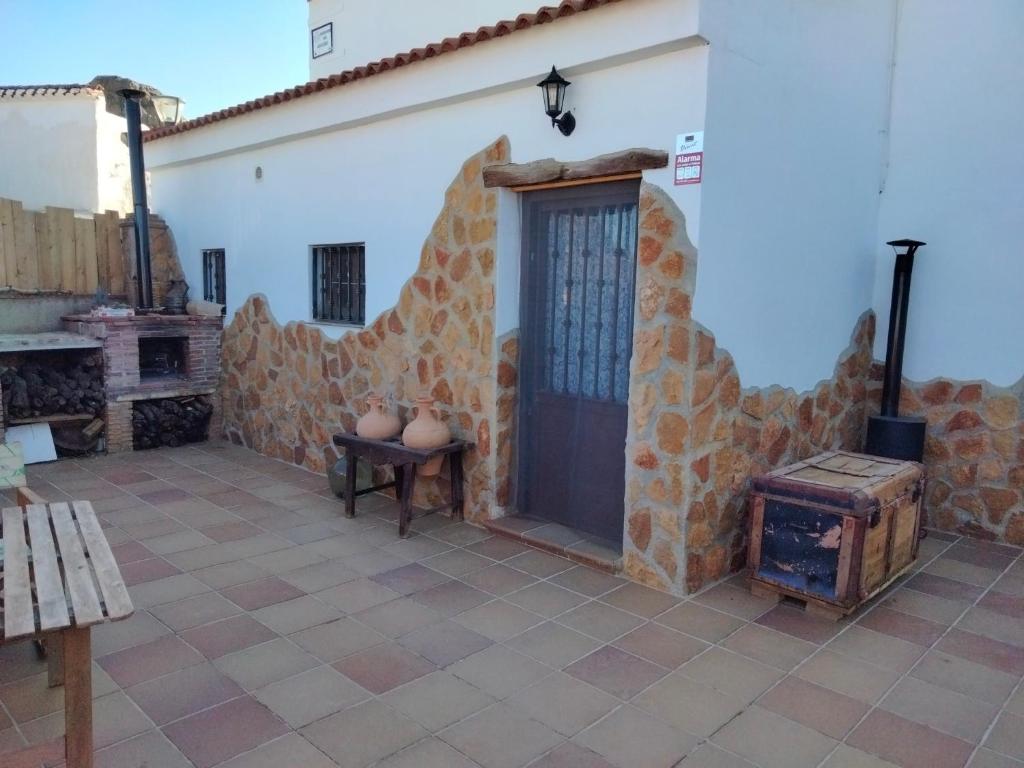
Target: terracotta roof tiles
65 89
544 15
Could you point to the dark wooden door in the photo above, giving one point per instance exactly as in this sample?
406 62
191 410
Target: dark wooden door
576 325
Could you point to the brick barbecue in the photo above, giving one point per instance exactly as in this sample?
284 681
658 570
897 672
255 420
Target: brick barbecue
126 382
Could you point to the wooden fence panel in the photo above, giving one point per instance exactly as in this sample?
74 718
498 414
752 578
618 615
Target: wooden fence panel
56 251
8 249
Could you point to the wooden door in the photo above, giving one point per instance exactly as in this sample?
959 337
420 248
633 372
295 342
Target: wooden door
576 324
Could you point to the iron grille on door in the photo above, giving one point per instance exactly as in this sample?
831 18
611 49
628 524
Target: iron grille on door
339 283
213 275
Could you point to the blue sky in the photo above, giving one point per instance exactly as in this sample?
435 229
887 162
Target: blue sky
212 53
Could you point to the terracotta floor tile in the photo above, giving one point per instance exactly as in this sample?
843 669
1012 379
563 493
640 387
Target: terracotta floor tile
773 741
497 548
986 758
587 581
545 599
961 571
356 595
1005 604
183 693
498 620
795 622
689 705
931 607
289 751
600 621
383 667
1007 737
983 650
195 611
966 677
428 753
553 644
827 712
296 615
337 639
437 700
168 590
617 672
451 597
998 626
149 660
260 594
640 600
141 627
629 738
940 708
499 671
501 737
150 569
499 579
232 531
769 647
409 579
851 677
319 576
130 552
457 562
444 643
310 696
218 734
908 744
880 649
180 541
363 734
539 564
151 749
734 600
267 663
910 628
398 617
985 558
731 673
227 636
707 755
229 574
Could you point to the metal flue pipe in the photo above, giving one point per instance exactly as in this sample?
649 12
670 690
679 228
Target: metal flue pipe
898 311
144 280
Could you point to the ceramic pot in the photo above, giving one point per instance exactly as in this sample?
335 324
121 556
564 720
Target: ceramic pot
427 431
377 423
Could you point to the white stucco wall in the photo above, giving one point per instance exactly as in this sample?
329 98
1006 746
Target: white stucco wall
955 181
63 150
48 151
362 33
797 99
370 161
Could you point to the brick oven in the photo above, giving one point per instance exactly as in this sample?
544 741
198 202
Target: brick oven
153 357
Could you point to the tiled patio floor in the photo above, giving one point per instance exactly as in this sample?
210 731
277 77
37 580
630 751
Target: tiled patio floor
271 632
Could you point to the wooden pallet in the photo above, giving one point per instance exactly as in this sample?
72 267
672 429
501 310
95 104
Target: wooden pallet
812 606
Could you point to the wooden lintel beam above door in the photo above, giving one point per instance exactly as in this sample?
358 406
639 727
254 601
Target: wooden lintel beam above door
617 165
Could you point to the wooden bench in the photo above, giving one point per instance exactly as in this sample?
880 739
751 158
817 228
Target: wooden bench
404 460
72 584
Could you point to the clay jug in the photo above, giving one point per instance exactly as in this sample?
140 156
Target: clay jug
427 431
378 424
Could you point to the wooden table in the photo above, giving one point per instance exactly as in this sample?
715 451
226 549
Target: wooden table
404 460
56 600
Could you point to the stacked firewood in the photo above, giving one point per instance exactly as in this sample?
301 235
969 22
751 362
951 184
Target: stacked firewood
170 422
32 389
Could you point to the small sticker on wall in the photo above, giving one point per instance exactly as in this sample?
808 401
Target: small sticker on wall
689 157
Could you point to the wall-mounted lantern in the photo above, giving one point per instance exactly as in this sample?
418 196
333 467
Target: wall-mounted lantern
553 86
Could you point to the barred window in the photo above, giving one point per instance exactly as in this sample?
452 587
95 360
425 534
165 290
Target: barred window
213 275
339 283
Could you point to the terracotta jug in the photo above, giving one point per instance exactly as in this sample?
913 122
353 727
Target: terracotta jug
427 431
378 424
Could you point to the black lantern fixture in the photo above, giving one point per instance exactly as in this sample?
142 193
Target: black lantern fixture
889 434
553 86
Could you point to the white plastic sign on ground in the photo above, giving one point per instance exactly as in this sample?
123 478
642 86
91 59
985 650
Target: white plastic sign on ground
36 442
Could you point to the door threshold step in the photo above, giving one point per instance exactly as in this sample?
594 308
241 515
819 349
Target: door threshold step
560 540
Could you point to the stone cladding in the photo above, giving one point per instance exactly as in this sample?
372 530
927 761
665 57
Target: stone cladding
289 389
974 452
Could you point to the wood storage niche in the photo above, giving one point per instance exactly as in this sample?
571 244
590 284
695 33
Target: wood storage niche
834 530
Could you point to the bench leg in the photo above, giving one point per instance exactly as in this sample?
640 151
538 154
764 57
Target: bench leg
55 659
78 697
408 475
458 502
350 483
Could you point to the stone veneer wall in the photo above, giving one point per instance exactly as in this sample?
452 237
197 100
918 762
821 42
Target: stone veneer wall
974 452
288 389
694 436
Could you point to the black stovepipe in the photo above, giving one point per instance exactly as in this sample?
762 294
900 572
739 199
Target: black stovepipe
897 325
132 113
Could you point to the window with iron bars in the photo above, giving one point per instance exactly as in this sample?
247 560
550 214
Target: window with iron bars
339 283
213 275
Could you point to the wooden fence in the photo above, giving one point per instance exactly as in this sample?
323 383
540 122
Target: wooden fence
56 251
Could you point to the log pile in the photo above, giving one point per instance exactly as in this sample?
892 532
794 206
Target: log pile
32 389
169 422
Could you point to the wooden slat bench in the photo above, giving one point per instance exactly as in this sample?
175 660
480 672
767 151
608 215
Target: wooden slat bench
59 578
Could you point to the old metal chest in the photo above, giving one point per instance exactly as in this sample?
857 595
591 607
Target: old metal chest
835 529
